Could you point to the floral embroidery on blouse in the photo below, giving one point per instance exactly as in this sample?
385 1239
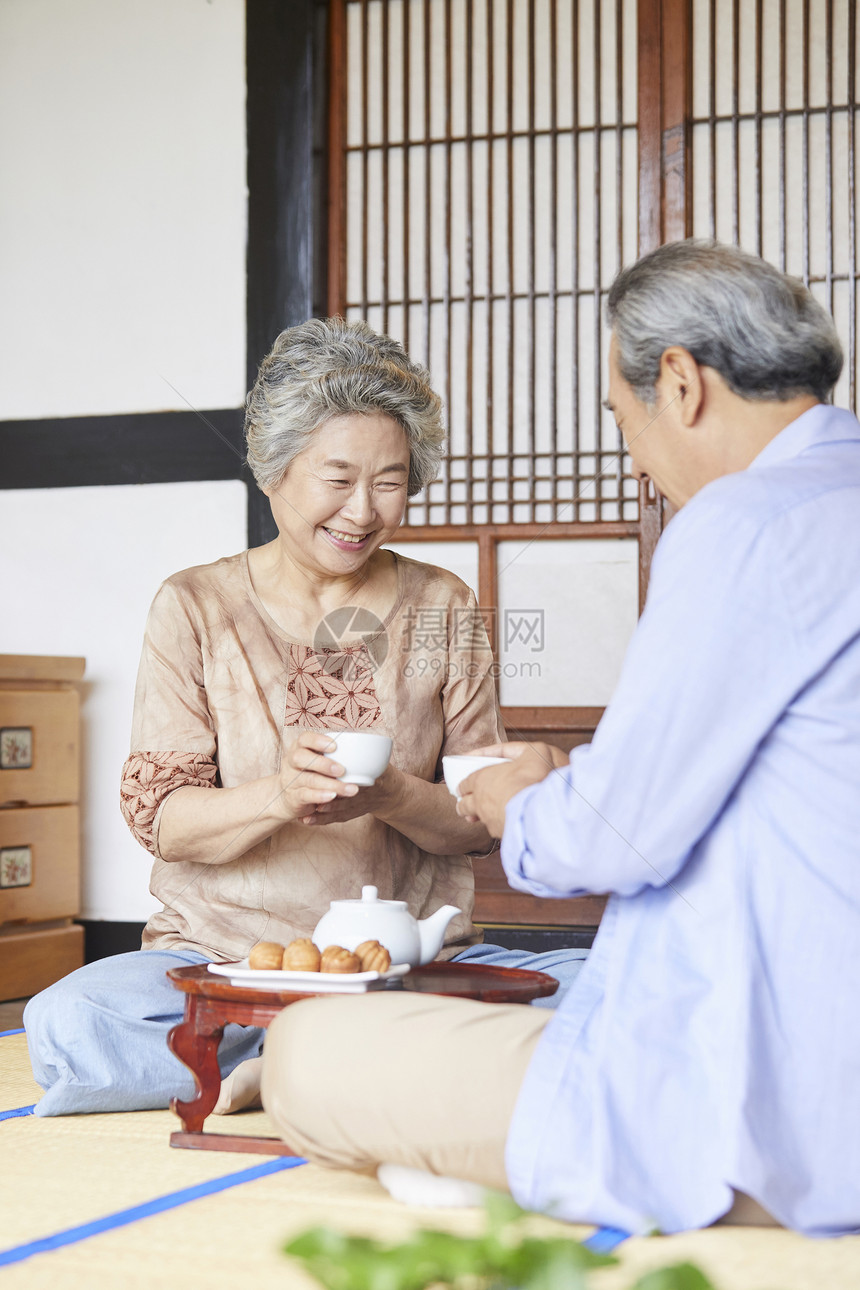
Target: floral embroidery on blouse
148 778
331 688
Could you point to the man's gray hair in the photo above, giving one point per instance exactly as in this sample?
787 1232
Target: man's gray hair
763 331
329 368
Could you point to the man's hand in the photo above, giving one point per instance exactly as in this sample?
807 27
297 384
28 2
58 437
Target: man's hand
485 794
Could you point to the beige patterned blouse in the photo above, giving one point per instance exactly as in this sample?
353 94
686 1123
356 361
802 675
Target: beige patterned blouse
223 691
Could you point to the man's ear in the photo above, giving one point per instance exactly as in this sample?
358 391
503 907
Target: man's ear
681 383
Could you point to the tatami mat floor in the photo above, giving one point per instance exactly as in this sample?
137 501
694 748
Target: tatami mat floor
61 1174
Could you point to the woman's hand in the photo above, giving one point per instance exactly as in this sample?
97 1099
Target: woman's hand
216 826
484 795
372 799
421 811
311 780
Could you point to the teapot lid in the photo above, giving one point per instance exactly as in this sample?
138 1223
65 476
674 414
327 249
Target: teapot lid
370 896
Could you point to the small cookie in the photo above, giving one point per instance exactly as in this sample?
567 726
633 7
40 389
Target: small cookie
336 959
301 956
267 956
374 957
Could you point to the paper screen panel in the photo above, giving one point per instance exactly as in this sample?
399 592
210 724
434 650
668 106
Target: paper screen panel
491 154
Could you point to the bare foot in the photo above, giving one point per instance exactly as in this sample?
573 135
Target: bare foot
240 1090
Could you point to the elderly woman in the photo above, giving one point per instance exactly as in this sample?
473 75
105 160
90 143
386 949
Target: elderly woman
231 784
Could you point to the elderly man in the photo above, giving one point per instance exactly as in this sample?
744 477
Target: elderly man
706 1063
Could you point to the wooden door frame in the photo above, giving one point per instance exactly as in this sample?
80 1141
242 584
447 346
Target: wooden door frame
665 108
665 111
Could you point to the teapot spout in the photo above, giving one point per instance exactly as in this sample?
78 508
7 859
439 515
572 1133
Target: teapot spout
432 931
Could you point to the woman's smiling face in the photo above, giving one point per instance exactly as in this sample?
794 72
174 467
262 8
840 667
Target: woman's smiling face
345 494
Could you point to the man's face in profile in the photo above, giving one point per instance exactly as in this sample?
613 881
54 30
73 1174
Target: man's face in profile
632 417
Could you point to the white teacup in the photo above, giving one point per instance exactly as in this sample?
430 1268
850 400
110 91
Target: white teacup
362 754
457 766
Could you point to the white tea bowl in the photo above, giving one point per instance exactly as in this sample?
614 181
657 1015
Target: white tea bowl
363 755
457 766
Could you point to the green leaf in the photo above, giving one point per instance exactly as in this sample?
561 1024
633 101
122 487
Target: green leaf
501 1210
341 1262
316 1241
556 1267
437 1257
500 1259
537 1264
680 1276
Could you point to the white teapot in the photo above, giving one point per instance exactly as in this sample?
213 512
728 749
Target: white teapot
407 939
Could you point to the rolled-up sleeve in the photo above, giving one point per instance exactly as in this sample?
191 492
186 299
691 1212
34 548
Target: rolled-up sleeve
171 716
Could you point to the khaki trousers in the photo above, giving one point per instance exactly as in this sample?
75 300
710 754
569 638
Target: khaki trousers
410 1079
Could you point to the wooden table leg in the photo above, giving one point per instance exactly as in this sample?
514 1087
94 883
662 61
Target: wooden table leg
195 1042
198 1050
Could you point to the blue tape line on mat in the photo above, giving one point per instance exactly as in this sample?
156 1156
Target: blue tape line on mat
124 1216
605 1239
18 1110
4 1033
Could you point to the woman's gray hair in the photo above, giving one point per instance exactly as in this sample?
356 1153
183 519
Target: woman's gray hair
763 331
329 368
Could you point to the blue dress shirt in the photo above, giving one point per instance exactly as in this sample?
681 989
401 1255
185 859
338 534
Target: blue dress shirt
712 1040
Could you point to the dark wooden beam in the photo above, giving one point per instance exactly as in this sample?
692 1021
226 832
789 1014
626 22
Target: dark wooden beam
138 448
280 127
282 63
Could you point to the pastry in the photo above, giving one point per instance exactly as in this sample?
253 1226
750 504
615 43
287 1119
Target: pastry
374 957
301 956
267 956
336 959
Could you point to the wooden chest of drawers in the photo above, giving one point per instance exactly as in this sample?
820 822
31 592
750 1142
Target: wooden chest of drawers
39 822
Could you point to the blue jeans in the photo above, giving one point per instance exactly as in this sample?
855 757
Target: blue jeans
564 964
98 1038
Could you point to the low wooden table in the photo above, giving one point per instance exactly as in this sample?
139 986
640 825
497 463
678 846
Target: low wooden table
211 1002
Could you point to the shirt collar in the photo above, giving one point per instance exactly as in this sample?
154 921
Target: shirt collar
821 424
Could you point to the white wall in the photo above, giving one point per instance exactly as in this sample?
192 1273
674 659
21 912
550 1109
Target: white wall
86 565
122 206
122 280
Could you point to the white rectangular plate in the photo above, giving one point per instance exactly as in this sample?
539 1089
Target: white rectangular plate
315 982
